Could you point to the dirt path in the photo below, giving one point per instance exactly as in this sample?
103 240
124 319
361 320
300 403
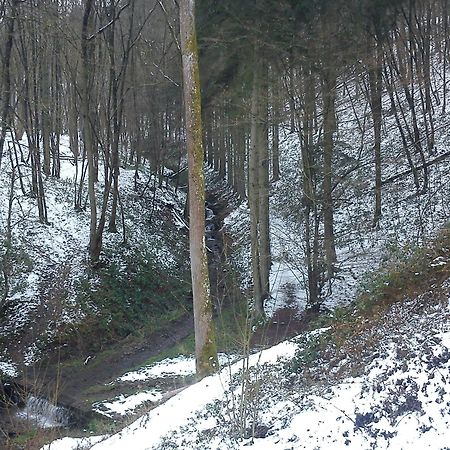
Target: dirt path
78 383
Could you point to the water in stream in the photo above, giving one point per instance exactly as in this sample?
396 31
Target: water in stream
44 414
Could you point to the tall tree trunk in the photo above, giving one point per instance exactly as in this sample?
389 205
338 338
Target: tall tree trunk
375 85
276 100
87 68
114 108
205 342
329 125
6 79
239 149
311 214
45 106
263 178
258 190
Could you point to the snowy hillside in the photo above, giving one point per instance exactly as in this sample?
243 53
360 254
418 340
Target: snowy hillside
379 381
388 389
326 285
51 283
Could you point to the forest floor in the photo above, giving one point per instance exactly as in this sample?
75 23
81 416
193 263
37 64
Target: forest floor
371 375
405 301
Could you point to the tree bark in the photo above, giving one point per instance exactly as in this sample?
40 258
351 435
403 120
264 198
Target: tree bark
258 196
276 100
205 342
328 96
6 94
95 241
375 85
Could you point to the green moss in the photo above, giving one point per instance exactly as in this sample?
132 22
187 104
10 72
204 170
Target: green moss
207 362
78 363
100 389
22 439
232 327
98 425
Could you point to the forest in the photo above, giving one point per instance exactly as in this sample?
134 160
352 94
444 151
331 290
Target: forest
224 224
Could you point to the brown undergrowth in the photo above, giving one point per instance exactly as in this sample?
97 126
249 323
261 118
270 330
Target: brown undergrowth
392 301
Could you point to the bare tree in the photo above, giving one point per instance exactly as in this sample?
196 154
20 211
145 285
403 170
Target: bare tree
205 343
6 94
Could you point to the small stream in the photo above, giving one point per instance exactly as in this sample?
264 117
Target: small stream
221 278
23 410
214 249
212 235
43 414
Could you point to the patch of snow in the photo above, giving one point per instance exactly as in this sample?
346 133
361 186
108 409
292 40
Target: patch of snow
69 443
181 366
9 369
123 405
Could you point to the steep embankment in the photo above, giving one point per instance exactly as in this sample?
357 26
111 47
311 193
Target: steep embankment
54 296
374 375
65 326
134 319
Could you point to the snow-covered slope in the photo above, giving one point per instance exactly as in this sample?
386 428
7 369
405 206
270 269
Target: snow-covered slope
49 267
392 390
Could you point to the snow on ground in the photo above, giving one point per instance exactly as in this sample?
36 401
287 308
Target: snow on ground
172 371
400 399
69 443
46 261
124 405
180 366
8 368
49 262
178 411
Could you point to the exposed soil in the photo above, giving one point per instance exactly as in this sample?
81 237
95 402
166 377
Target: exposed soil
76 383
78 379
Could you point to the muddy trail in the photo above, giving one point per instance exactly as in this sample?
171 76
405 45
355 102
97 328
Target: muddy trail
77 383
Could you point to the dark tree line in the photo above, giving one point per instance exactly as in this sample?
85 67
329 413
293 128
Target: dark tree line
302 57
107 73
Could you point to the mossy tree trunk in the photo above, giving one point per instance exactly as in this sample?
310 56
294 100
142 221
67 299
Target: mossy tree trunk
258 185
205 342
